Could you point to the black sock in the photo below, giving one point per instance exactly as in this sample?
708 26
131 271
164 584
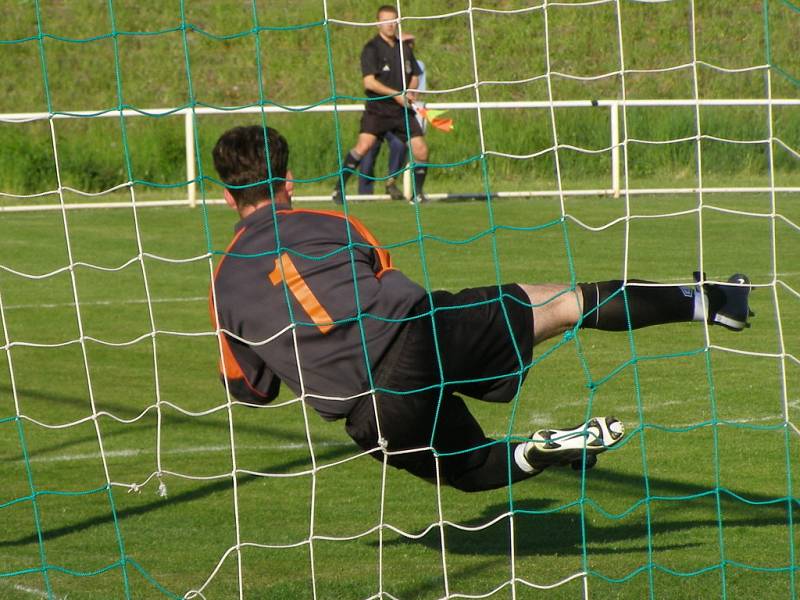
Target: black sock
351 161
604 305
419 179
491 472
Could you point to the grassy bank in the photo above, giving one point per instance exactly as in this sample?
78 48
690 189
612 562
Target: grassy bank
207 53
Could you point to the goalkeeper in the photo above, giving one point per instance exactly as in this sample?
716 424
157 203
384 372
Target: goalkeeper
310 299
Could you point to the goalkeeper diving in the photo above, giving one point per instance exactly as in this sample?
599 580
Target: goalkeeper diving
310 299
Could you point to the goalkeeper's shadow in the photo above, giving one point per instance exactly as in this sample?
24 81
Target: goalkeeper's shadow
546 526
120 409
202 490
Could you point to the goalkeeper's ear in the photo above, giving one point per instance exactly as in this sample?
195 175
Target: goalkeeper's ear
289 183
229 199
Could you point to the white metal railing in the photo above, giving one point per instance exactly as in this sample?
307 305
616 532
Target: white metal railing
189 114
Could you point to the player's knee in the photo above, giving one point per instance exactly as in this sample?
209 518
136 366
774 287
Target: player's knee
361 149
363 144
420 151
555 308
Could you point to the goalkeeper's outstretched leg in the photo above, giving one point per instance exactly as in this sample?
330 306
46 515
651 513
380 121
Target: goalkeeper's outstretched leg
614 306
482 349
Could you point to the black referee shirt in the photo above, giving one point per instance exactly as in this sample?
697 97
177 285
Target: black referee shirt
326 261
382 60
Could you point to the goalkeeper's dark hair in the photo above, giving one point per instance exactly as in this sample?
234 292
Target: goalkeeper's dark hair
386 8
240 157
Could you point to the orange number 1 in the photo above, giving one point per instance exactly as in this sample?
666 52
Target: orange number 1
301 292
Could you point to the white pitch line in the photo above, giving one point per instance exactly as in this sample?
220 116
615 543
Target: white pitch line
107 302
547 417
134 452
34 591
30 590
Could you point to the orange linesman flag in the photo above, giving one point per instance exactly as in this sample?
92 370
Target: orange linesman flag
435 119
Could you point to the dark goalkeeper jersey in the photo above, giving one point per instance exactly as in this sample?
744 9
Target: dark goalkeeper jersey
293 314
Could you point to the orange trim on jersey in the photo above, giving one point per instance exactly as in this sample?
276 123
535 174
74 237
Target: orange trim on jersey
301 291
383 255
211 308
228 365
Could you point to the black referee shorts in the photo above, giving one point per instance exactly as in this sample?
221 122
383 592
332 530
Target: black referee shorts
378 124
483 344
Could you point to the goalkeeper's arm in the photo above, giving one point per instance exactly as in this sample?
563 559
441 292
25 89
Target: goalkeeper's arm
248 378
244 392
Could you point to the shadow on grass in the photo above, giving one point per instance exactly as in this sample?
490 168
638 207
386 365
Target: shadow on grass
198 493
434 586
118 408
539 532
536 532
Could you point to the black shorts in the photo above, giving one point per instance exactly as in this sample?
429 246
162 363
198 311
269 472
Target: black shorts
485 346
378 124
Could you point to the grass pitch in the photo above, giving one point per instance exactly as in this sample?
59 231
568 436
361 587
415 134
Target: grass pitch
699 502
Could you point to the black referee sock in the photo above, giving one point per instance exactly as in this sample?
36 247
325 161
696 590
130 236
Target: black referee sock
419 178
351 161
645 306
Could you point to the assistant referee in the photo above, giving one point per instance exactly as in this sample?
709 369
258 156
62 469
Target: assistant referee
389 68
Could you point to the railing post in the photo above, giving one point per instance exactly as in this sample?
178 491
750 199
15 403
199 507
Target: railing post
188 127
614 107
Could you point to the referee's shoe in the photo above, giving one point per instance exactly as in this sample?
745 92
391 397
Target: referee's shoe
549 447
